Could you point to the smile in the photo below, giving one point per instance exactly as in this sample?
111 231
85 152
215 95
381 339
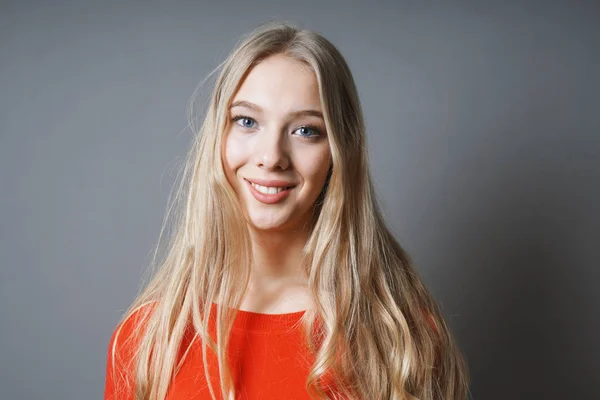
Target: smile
271 191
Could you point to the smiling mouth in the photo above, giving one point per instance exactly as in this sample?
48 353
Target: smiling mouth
270 189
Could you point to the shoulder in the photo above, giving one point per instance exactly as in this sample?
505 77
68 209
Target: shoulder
122 349
131 327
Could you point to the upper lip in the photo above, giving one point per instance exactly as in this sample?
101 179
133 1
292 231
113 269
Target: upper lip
270 183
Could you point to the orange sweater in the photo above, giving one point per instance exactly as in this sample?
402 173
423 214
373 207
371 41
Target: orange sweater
266 353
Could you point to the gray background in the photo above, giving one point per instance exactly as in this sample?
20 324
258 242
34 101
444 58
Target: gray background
484 137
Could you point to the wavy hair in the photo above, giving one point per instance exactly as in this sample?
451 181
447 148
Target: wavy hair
374 326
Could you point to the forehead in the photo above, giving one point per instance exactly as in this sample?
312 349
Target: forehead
280 83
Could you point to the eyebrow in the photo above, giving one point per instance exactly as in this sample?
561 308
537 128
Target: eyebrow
257 108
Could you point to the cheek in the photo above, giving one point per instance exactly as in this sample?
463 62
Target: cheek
316 171
235 154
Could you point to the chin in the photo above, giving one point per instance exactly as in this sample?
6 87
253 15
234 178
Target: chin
266 226
273 223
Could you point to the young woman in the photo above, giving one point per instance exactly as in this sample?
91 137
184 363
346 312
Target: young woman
281 280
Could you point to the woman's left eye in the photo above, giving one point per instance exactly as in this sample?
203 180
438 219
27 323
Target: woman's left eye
308 131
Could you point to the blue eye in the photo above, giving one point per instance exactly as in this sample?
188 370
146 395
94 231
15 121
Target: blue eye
308 131
246 122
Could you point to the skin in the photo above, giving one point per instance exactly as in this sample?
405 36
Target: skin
270 143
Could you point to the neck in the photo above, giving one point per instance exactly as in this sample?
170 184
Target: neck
278 282
277 255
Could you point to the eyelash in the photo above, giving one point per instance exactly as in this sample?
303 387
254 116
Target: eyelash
312 137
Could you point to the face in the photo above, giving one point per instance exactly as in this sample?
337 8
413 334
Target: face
276 154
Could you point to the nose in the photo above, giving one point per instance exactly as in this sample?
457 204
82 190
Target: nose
271 151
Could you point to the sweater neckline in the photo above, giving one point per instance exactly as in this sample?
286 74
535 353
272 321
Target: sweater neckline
250 321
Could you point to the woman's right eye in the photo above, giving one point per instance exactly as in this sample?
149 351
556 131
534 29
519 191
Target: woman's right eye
245 122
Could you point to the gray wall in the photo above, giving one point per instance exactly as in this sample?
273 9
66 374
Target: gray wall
484 136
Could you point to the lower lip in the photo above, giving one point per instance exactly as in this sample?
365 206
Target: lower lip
268 198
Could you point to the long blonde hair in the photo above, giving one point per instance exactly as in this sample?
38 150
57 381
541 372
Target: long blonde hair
374 326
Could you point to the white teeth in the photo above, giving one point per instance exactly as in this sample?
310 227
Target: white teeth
267 189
